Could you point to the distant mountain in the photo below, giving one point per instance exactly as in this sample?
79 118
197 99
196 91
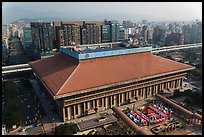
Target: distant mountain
43 19
100 17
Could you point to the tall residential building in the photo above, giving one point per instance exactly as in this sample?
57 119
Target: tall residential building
91 32
112 32
158 35
42 36
27 37
57 26
196 33
186 32
144 34
127 24
121 35
174 39
30 50
150 35
70 33
126 33
66 33
106 33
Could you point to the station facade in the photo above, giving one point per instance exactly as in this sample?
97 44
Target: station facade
86 86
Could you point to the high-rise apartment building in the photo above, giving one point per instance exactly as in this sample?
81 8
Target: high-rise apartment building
56 34
42 36
91 32
150 35
106 33
196 33
27 37
158 35
70 34
121 35
174 39
76 33
29 48
186 32
112 32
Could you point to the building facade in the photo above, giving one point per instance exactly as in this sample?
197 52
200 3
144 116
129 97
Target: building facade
42 36
31 51
91 32
196 33
112 32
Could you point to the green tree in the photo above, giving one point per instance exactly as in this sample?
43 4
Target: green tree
66 129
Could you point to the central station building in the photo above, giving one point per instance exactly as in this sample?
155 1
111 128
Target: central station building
92 80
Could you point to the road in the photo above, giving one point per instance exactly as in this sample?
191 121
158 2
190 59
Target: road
16 55
53 116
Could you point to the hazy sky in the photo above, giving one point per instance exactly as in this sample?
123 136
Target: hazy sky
153 11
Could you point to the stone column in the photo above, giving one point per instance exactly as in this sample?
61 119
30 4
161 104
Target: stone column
175 83
74 111
130 94
79 109
144 93
178 81
84 106
102 99
69 112
94 103
150 91
115 99
127 95
89 105
111 102
97 103
106 102
124 97
163 85
137 92
168 85
119 95
63 113
155 89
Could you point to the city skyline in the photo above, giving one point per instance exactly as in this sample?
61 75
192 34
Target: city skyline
134 11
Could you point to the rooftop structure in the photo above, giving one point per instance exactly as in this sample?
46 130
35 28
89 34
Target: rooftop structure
96 122
98 52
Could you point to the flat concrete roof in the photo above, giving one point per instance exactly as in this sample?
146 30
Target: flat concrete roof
92 123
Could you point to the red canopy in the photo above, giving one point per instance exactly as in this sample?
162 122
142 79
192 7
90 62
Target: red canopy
148 111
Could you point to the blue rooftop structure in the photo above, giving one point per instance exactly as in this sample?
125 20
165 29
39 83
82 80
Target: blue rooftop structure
103 52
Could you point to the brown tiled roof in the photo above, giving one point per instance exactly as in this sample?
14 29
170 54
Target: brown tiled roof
101 71
54 71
